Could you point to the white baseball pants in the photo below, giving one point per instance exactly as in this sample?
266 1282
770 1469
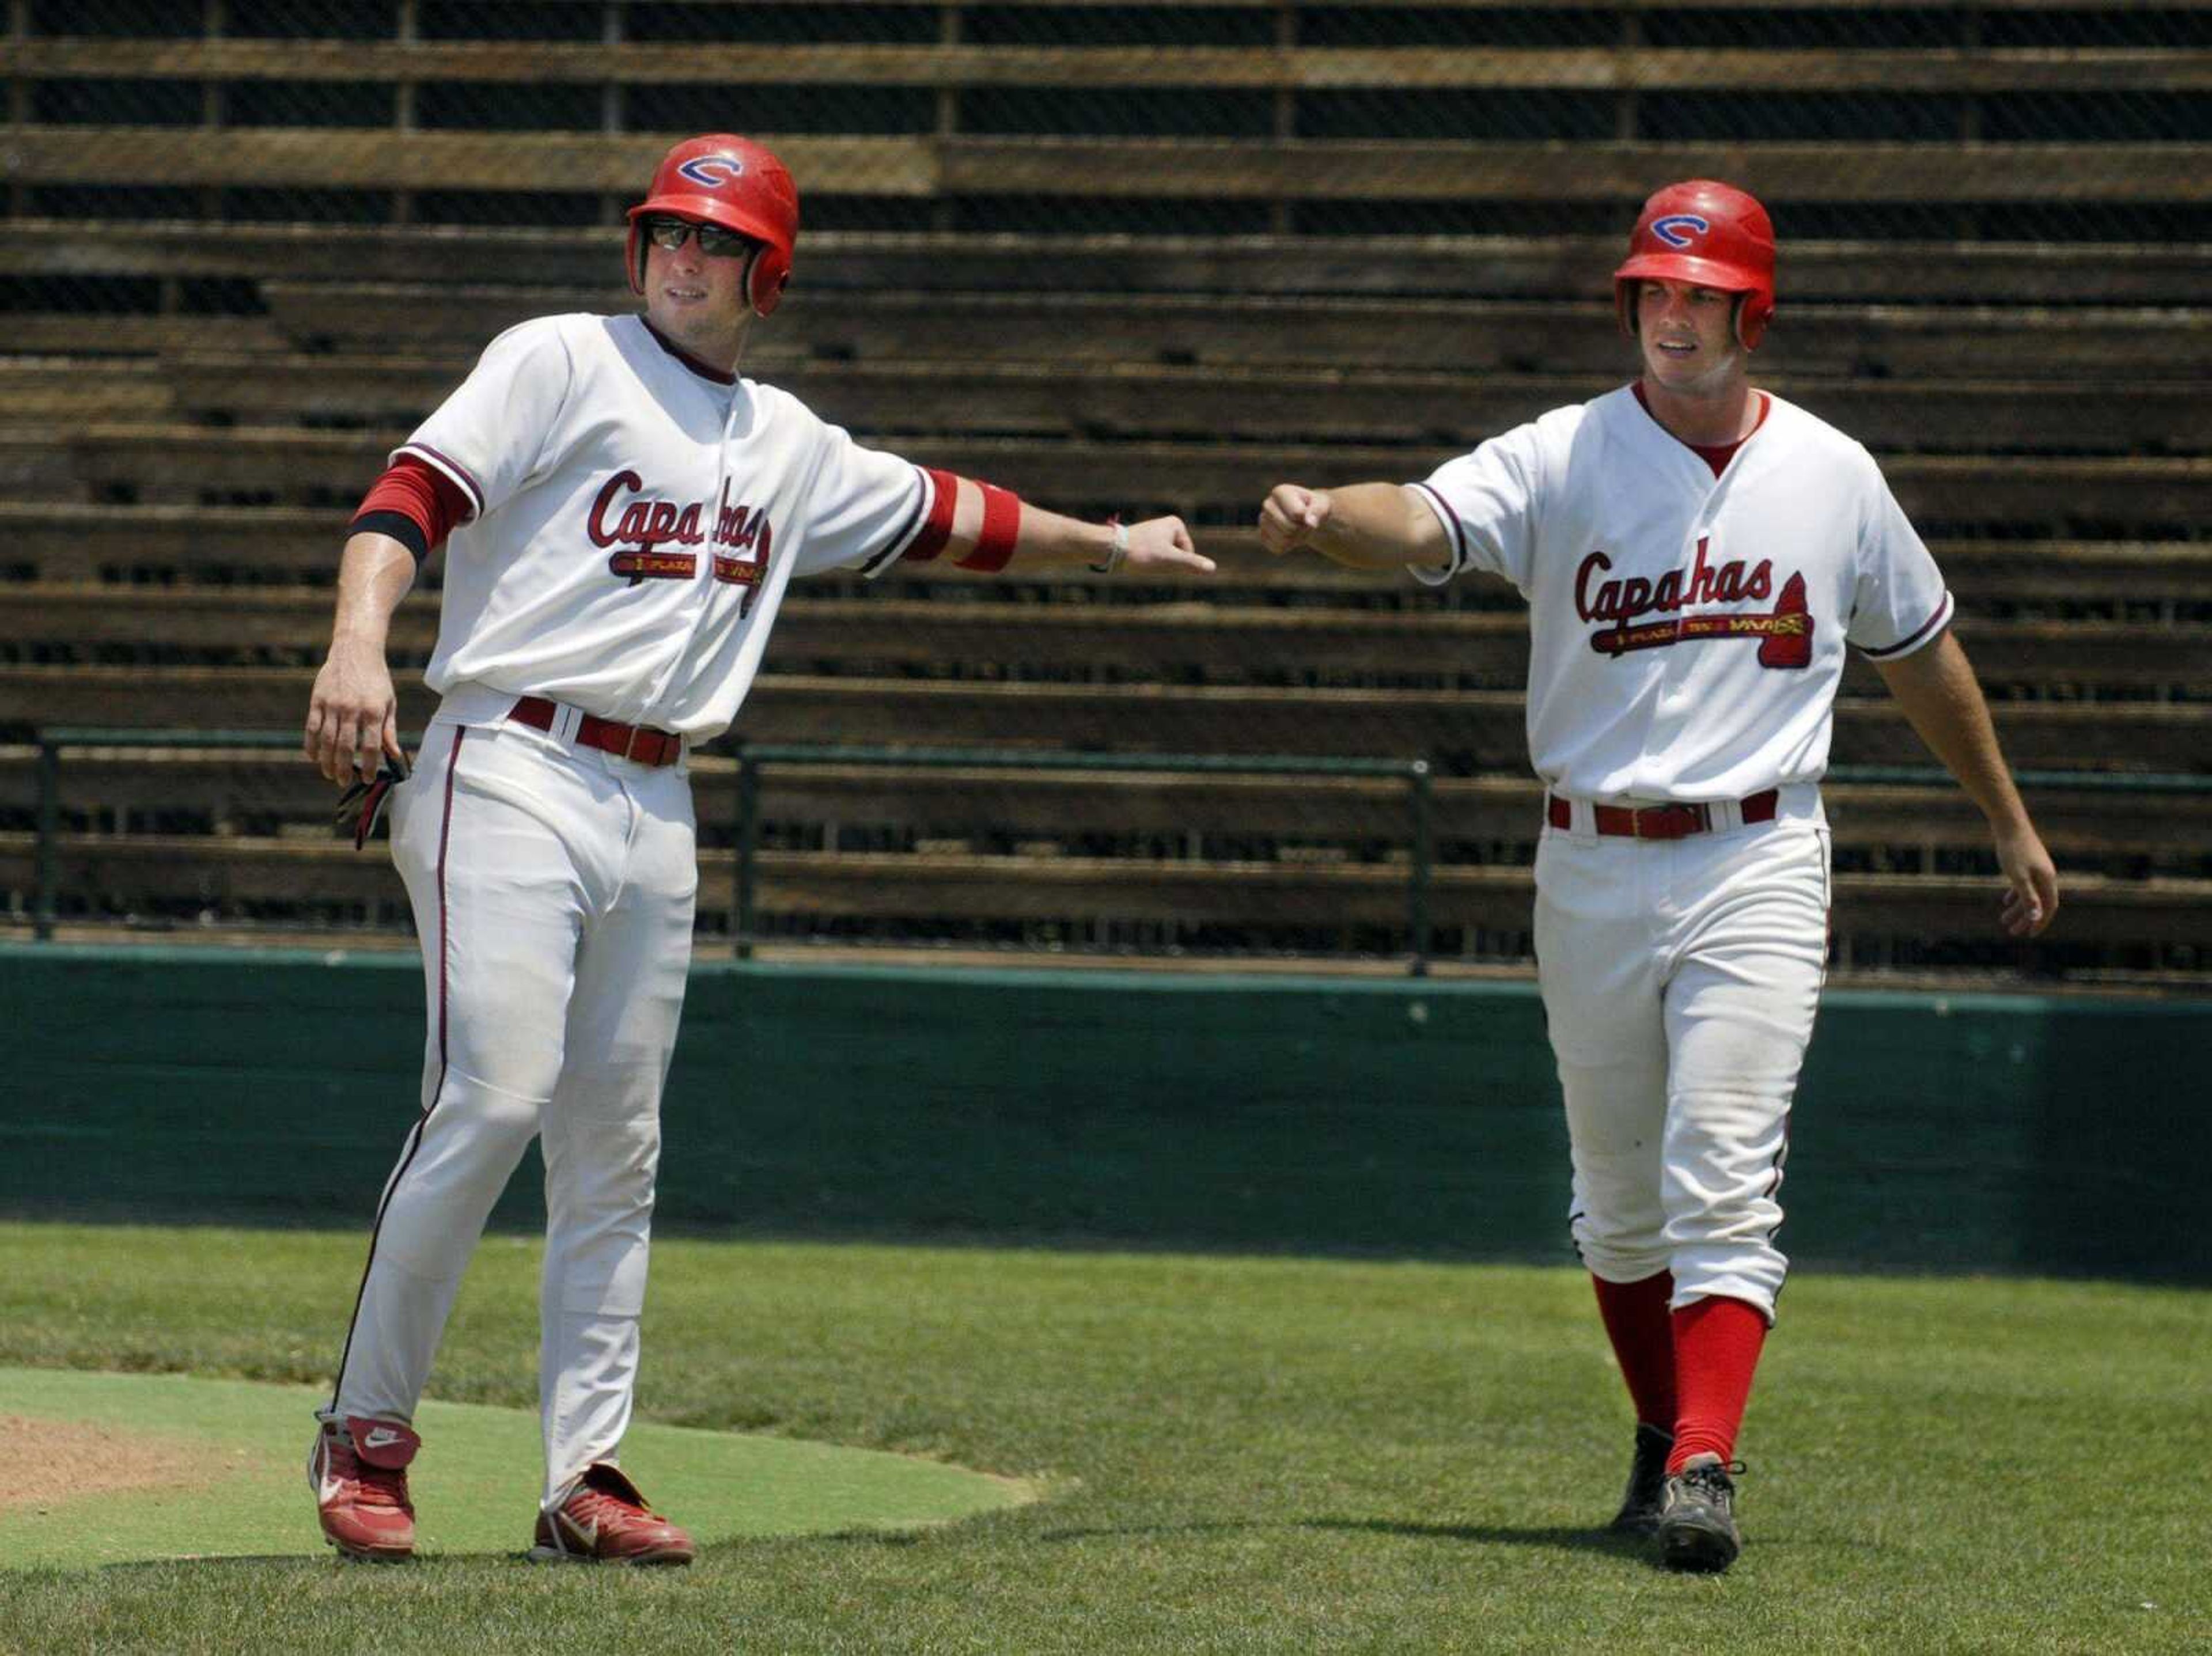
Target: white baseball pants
1680 980
553 888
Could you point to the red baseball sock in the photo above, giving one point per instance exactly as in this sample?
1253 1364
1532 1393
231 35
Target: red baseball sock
1642 1336
1716 1345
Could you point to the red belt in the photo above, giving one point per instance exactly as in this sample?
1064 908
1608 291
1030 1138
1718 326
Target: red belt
1658 822
639 743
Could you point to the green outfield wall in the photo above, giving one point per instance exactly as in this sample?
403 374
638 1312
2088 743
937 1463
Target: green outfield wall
1318 1115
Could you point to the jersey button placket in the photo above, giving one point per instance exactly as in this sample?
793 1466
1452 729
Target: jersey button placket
1670 706
699 598
737 592
1678 662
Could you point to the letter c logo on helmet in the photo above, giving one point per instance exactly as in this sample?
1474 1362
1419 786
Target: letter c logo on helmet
1672 229
710 171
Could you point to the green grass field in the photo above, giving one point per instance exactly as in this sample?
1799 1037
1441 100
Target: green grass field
1241 1455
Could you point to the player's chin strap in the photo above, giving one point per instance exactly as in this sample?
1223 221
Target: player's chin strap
982 535
361 805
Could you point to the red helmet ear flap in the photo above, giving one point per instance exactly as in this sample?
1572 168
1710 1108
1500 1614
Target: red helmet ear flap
1753 310
771 275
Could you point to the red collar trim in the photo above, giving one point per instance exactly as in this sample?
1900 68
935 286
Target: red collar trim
1716 455
704 370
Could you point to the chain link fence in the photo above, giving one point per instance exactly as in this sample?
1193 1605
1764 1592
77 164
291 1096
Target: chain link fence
368 78
1132 258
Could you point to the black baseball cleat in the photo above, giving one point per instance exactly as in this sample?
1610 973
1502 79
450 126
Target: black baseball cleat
1647 1481
1697 1519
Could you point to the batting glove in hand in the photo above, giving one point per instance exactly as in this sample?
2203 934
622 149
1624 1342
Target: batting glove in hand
360 806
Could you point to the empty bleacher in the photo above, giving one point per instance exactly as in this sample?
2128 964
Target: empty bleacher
1119 258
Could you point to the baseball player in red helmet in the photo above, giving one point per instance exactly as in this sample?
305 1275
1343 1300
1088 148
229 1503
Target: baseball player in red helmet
1696 554
621 512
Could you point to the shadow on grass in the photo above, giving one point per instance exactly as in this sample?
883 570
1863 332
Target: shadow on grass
294 1562
1562 1537
1567 1537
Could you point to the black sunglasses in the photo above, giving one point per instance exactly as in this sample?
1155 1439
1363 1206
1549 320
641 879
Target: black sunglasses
713 241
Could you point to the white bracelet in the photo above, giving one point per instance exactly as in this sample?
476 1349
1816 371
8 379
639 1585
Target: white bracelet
1120 551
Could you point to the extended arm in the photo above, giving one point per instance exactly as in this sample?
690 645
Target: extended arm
984 528
1361 526
1936 688
352 716
1046 540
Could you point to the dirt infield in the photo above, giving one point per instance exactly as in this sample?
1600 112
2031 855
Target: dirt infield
46 1461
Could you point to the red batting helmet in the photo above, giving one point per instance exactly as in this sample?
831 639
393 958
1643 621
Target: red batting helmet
1713 234
721 178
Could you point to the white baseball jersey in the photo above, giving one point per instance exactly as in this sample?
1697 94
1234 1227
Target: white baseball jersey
634 520
1686 631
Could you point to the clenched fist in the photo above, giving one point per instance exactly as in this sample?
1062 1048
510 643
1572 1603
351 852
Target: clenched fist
1292 515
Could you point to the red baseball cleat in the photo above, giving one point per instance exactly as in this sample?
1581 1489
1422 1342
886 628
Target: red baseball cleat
605 1520
358 1470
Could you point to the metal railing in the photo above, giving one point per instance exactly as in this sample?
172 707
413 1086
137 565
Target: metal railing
750 762
2079 782
53 742
752 758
